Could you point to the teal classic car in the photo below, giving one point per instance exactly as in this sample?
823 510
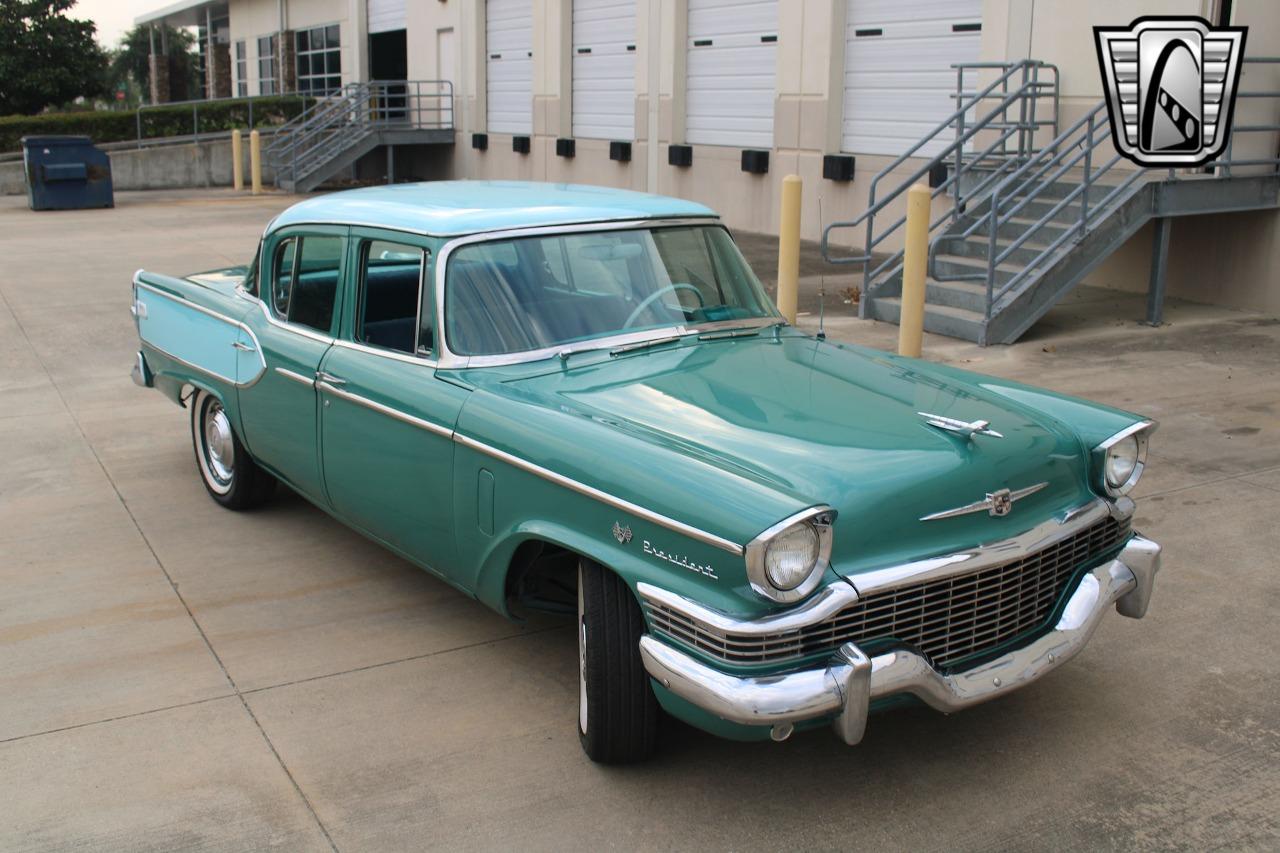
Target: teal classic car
581 400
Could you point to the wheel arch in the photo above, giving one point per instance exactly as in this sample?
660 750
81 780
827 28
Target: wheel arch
511 558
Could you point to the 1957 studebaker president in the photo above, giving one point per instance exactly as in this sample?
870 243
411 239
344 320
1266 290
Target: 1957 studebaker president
581 399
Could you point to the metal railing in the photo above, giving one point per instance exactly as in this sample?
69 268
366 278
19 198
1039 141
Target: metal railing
1071 156
333 124
253 108
1005 116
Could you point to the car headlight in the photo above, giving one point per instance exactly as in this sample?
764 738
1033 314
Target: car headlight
1124 456
786 562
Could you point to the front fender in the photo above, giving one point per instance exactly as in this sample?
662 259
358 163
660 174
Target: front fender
631 560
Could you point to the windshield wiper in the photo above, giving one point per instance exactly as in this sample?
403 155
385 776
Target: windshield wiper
741 332
638 345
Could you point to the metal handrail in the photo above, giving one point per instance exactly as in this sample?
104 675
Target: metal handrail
1073 149
1022 95
196 105
335 123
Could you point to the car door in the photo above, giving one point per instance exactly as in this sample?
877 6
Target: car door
386 419
299 286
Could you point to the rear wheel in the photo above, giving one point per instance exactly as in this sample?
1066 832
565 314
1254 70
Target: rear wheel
617 711
231 477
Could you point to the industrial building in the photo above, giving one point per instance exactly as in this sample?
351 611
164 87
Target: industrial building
718 100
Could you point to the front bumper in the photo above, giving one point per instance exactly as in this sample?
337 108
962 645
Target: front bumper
847 686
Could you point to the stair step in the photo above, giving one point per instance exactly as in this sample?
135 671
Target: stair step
968 295
946 266
939 319
976 248
1014 228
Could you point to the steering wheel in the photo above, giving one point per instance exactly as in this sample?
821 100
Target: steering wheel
657 294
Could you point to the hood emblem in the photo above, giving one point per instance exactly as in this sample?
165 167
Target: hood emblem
622 534
997 504
966 428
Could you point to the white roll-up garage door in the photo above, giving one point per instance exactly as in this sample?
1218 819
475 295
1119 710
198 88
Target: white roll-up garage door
731 72
386 15
604 69
898 81
508 28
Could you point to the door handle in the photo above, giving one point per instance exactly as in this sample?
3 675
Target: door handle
243 347
329 379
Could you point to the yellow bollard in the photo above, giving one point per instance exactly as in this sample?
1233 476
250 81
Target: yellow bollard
237 161
255 161
789 248
914 262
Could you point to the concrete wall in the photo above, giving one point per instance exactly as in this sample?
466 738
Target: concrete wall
206 164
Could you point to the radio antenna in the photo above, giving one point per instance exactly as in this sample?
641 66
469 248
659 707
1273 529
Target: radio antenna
822 283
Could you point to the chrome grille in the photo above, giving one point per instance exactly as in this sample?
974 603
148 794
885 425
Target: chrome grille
946 619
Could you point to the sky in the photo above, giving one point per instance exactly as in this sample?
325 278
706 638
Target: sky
113 17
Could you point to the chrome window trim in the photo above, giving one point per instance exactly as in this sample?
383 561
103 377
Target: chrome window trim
262 362
845 591
1142 431
394 355
447 359
601 496
821 518
390 412
293 276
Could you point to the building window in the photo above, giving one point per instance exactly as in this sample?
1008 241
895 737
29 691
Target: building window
319 60
267 75
242 69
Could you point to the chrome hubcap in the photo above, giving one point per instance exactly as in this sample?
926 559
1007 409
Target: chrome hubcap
582 659
219 449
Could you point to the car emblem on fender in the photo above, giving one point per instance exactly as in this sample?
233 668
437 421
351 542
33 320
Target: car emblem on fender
998 503
622 534
1171 85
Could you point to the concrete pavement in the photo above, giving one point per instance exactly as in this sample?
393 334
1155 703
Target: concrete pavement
176 676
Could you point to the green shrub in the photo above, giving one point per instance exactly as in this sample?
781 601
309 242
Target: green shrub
157 122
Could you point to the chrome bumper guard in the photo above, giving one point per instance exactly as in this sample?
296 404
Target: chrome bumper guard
141 373
852 680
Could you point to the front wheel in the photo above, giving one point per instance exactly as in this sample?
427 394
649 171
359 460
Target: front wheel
231 477
617 711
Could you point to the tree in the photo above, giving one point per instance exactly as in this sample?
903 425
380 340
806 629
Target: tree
133 60
46 58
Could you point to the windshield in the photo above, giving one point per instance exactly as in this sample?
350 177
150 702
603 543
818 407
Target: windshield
531 293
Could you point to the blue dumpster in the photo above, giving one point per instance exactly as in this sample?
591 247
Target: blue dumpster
66 173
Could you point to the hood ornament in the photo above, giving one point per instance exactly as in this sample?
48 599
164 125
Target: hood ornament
966 428
997 504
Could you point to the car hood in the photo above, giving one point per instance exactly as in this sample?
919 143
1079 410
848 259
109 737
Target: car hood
828 424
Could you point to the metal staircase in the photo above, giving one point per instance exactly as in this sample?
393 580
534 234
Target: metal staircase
1023 212
336 131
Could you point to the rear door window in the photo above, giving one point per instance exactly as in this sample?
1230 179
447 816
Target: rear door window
305 280
387 311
